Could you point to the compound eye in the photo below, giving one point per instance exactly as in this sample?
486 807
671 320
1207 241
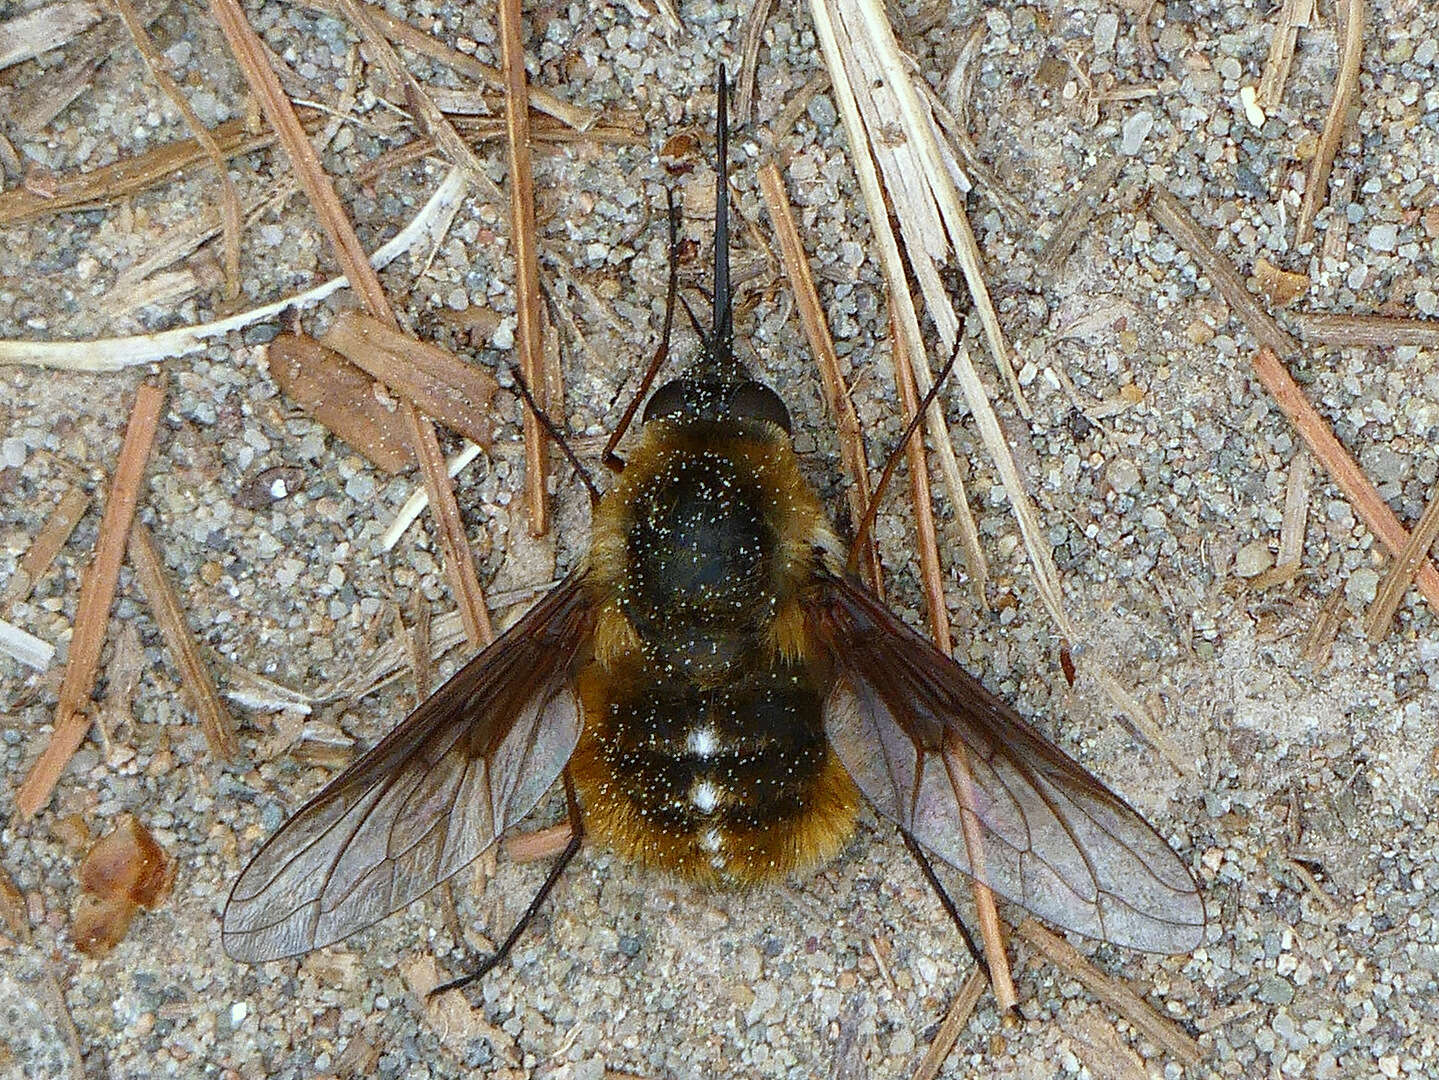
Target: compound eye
755 401
668 401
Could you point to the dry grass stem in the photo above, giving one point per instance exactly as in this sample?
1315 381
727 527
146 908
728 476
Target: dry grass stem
440 384
1293 16
115 354
92 612
416 638
46 545
1141 719
1379 331
752 37
816 330
418 103
249 53
931 573
956 129
1296 510
1327 902
229 197
1341 467
109 183
528 334
46 97
1101 1049
1319 642
1078 215
402 33
931 218
1401 572
25 647
36 32
1165 209
891 260
1115 993
419 499
955 1020
215 720
341 398
1346 85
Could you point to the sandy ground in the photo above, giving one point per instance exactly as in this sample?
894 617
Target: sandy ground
1158 465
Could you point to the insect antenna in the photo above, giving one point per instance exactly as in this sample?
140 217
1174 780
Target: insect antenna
866 523
609 457
489 963
722 340
945 900
554 433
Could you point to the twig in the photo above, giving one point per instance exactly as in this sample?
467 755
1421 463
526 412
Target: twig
1077 216
816 330
1327 902
1401 574
402 33
229 197
1379 331
215 720
115 354
528 341
415 505
1113 992
46 545
1293 16
960 1010
92 613
1168 212
1346 83
1342 468
930 571
249 53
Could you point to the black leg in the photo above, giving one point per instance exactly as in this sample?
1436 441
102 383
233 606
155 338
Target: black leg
609 457
577 835
944 898
861 535
555 434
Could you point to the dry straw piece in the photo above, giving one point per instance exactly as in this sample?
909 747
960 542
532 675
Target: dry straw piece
215 719
1341 467
250 54
92 613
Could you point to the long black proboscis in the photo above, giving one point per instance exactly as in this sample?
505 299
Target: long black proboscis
722 340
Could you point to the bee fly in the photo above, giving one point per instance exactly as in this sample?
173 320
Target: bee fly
717 693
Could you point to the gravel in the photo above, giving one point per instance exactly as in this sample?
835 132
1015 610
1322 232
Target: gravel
1158 468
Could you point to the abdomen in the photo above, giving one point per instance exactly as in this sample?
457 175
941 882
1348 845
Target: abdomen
730 784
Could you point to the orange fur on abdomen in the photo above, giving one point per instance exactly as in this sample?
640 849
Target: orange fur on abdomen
703 750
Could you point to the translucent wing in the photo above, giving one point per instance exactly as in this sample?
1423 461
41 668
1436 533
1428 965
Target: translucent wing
437 791
1054 839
